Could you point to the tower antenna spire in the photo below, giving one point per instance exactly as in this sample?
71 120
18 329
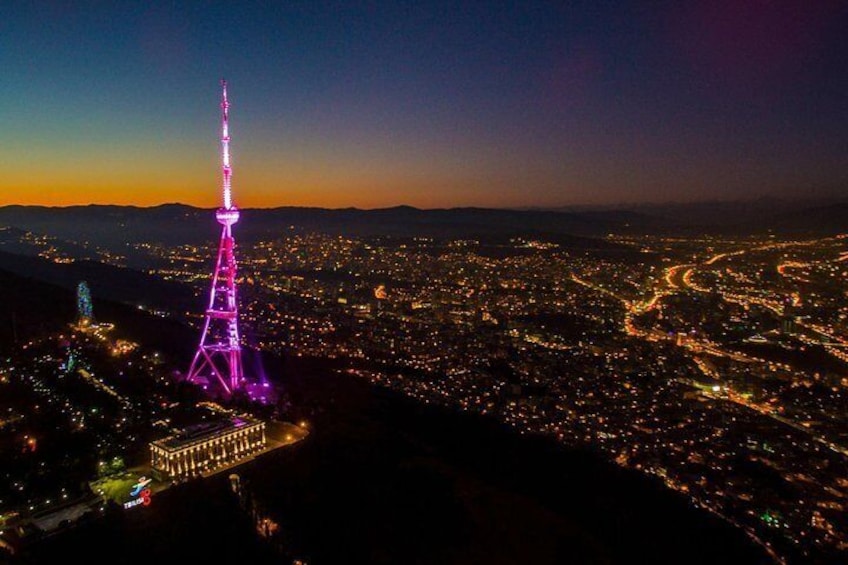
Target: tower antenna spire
225 147
219 352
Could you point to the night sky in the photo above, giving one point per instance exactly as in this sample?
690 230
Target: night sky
430 104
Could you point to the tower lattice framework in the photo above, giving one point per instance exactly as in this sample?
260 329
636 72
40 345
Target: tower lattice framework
219 352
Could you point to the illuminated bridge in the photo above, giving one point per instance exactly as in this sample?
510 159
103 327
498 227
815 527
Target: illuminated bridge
201 449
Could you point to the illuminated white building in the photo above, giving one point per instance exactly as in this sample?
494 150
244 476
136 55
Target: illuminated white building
201 449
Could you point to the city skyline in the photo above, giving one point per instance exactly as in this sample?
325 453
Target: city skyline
713 362
436 106
511 282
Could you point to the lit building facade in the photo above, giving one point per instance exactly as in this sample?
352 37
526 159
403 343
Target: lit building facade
201 449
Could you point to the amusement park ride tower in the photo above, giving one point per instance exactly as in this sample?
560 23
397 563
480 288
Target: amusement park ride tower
219 352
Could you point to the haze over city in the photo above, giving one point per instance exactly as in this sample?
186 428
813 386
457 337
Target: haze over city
436 104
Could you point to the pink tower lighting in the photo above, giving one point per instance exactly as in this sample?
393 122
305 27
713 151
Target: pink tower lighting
219 352
225 147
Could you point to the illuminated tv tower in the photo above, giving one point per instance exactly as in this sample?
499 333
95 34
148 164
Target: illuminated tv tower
219 352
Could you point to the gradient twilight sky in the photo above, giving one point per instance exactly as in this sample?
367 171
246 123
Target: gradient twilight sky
432 104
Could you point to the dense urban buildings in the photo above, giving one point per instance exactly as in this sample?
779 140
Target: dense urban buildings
714 363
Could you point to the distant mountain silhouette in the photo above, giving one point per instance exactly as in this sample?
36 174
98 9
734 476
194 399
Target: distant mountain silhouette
171 224
832 218
108 226
752 216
